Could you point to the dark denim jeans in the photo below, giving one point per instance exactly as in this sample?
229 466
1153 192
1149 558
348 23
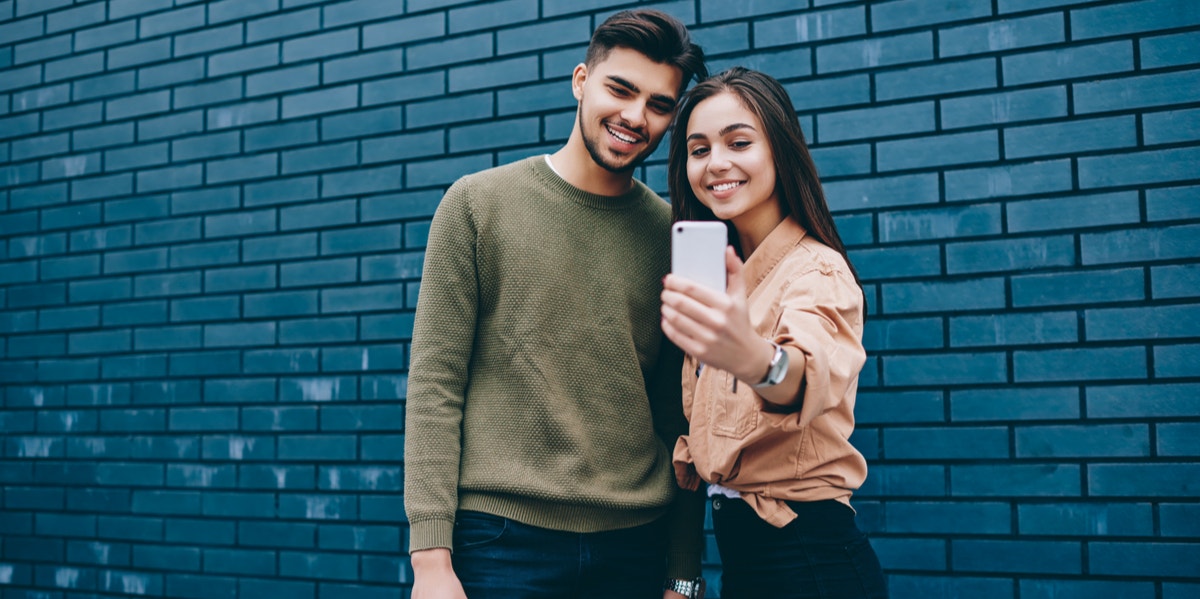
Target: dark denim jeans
820 555
498 558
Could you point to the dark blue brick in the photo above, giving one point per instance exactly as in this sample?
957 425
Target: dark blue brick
493 74
281 80
323 447
1144 559
915 13
18 78
280 191
180 283
362 478
323 214
843 160
276 136
1169 50
171 73
395 266
1179 519
136 54
248 59
40 50
317 330
1048 557
842 91
910 553
41 195
373 538
944 295
1072 62
944 369
138 105
239 279
40 245
1157 480
1178 439
810 27
897 262
242 168
952 221
360 181
127 8
205 363
947 443
106 35
1138 168
32 99
1006 107
1171 126
170 125
936 79
445 171
366 358
318 158
1079 364
1140 244
160 338
167 503
212 92
323 389
239 561
233 10
1078 589
288 303
209 39
43 295
283 25
317 102
432 143
876 52
197 587
130 313
281 361
925 152
320 45
34 346
247 113
135 157
323 566
1134 323
279 247
318 507
205 200
387 326
70 167
67 318
1070 138
239 223
167 558
171 21
874 122
1106 519
1137 17
947 517
292 418
205 308
322 272
1013 329
1176 360
277 534
136 366
197 475
1078 287
899 407
104 342
1015 254
206 146
1079 441
882 191
365 65
400 31
1015 480
856 229
1008 180
168 178
905 481
239 334
1086 211
543 34
996 36
76 66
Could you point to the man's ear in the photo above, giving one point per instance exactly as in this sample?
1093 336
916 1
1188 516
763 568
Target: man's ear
578 78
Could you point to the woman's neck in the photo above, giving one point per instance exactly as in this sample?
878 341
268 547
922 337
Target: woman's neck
753 227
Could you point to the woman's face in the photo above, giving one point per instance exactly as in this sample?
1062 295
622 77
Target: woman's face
729 162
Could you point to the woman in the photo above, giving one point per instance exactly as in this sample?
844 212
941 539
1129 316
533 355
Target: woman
772 369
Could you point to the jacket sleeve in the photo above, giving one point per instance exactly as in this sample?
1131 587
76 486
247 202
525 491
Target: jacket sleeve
821 314
685 517
443 337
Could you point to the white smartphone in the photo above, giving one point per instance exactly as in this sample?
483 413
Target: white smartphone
698 252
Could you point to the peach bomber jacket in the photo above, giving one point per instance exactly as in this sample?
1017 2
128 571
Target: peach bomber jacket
800 293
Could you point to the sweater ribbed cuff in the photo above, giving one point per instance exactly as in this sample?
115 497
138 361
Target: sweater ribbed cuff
683 565
428 534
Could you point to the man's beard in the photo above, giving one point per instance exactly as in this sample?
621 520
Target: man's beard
593 148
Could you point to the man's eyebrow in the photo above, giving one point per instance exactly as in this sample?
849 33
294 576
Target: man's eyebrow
668 100
726 130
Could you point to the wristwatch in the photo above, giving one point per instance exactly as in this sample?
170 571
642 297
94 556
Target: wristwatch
776 371
688 588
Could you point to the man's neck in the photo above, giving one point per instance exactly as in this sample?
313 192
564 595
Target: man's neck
574 164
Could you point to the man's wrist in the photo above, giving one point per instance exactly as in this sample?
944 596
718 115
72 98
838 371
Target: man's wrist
690 588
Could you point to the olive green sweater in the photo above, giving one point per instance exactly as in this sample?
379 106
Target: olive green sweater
541 388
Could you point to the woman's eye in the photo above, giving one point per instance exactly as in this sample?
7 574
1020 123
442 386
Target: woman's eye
699 151
740 144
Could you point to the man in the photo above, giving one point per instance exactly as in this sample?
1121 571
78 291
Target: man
542 397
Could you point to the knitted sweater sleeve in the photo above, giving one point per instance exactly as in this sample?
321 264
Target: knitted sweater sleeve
443 337
685 518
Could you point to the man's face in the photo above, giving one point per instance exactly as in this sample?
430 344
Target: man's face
626 102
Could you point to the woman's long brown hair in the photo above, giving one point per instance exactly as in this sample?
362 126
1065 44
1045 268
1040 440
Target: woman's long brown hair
796 182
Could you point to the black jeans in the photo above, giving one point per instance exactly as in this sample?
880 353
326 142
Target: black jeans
498 558
820 555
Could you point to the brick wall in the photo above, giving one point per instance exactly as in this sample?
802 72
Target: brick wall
211 227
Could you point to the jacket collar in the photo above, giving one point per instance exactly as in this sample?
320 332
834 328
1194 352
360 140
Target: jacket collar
781 240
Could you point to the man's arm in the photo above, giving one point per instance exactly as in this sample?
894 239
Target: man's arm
685 519
443 336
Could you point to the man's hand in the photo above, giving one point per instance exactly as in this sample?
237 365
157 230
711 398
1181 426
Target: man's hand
434 577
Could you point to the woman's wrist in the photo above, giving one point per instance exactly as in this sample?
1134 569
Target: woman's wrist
758 362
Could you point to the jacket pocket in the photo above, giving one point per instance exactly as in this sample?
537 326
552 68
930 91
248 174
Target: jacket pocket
731 414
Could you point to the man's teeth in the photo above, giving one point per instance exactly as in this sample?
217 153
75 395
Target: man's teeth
726 186
625 138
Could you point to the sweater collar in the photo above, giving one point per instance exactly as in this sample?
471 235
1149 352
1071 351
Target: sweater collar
781 240
560 186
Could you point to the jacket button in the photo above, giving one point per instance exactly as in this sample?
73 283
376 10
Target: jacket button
716 503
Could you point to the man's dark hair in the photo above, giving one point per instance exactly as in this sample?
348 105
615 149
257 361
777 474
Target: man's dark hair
658 35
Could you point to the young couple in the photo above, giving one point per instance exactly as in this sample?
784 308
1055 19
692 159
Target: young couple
549 453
